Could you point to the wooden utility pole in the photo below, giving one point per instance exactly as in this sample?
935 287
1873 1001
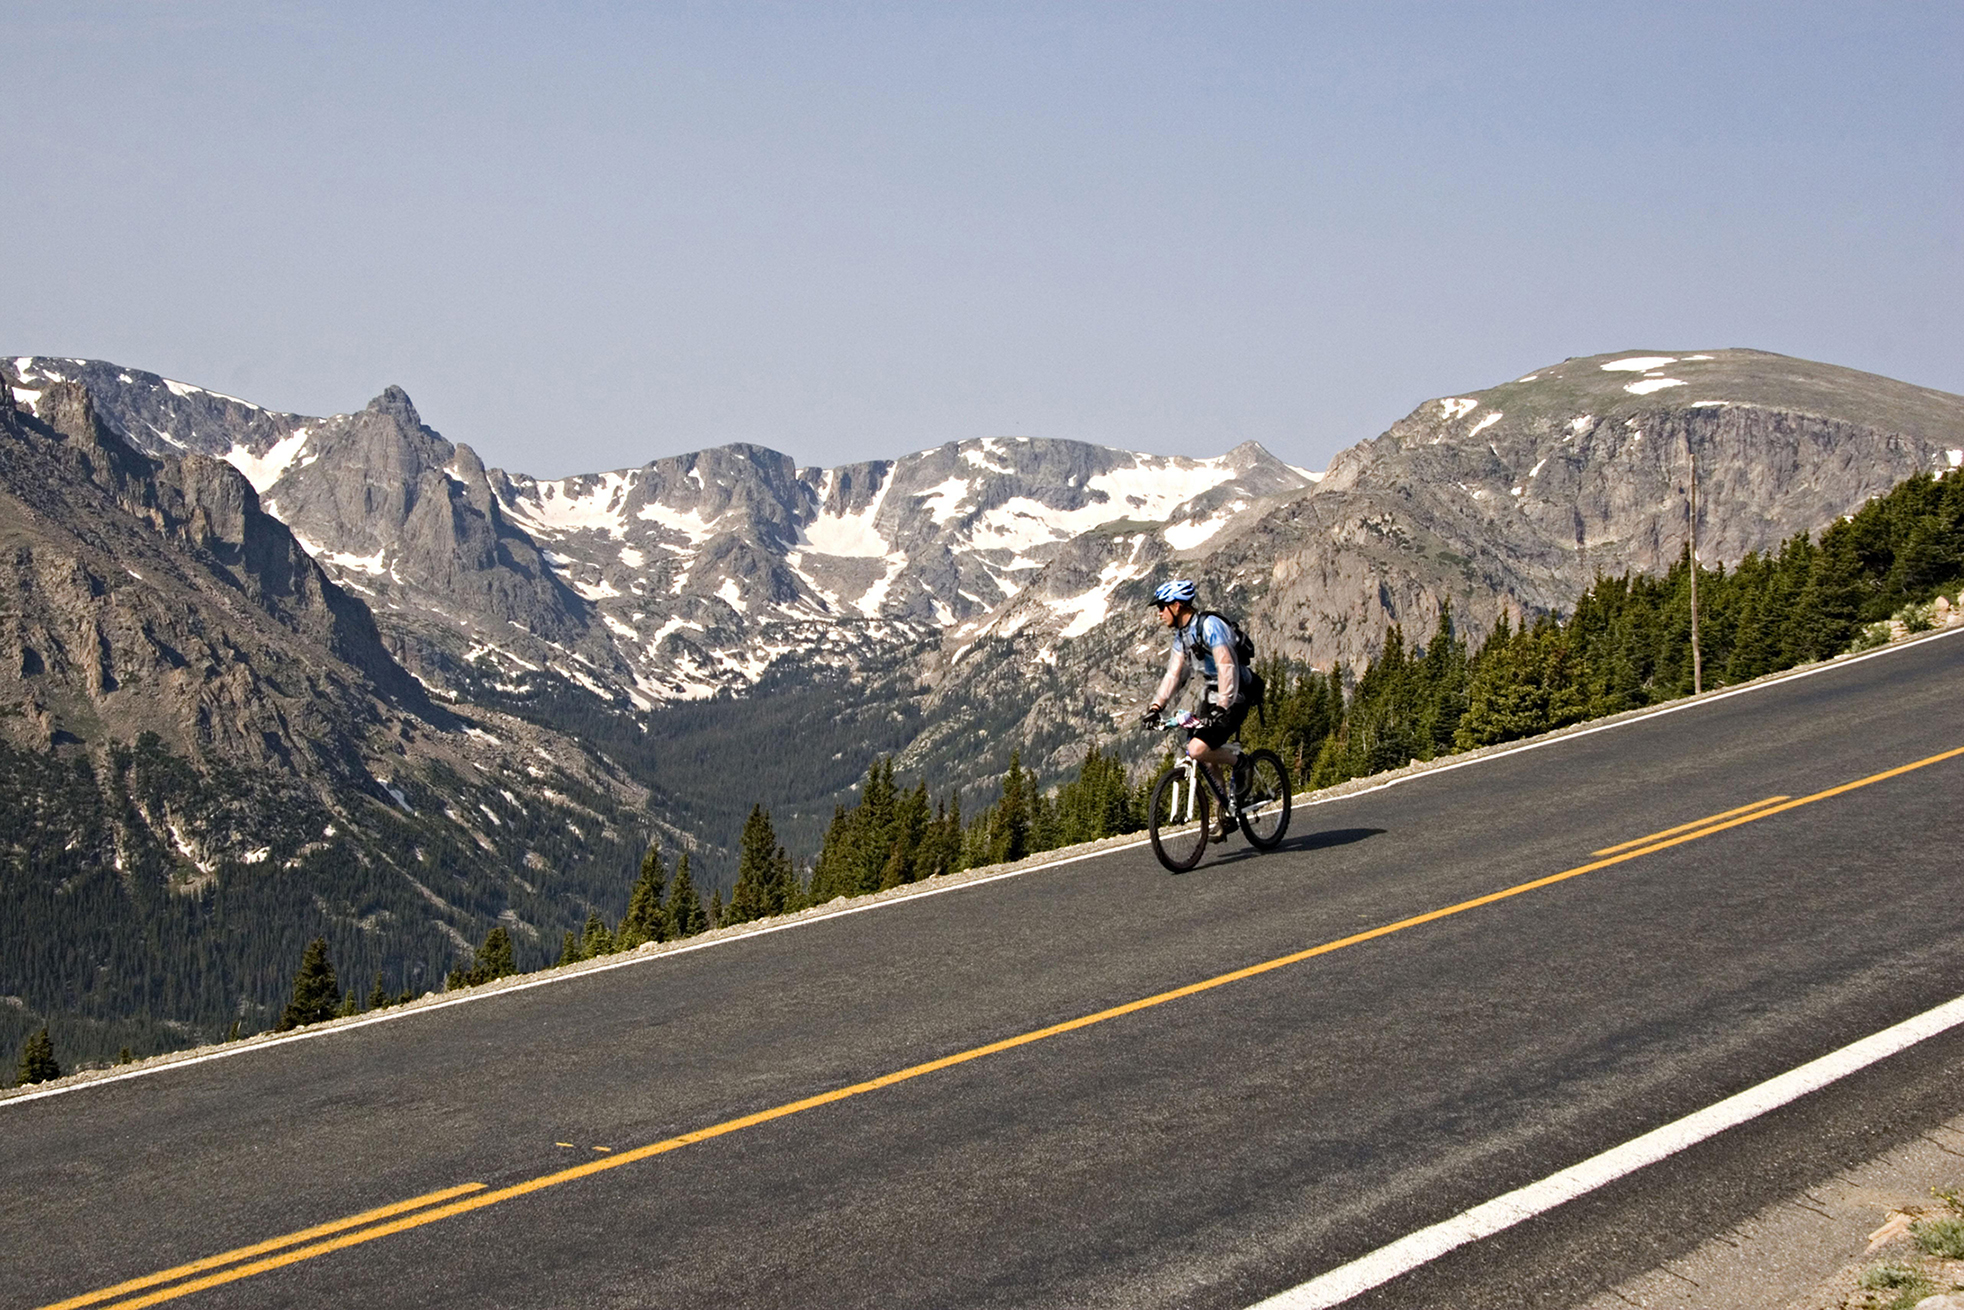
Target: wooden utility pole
1697 658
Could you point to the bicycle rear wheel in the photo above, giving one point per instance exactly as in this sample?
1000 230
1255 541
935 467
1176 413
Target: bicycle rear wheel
1265 803
1177 822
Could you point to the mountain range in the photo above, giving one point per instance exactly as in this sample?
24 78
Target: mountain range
356 610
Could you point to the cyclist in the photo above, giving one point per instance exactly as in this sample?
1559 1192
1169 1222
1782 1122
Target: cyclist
1207 641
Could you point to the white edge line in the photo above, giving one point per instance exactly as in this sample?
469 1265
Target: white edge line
1427 1244
415 1009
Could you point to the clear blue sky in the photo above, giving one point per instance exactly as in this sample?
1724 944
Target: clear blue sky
585 236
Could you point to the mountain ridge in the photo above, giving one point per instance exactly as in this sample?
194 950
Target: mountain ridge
209 755
986 595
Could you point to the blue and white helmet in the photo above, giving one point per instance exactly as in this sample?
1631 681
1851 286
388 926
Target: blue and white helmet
1178 589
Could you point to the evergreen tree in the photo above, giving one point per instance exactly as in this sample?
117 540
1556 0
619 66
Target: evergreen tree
1443 677
1099 802
766 883
1009 832
685 913
316 994
1830 609
569 949
941 849
1046 831
716 911
645 920
378 996
495 959
836 870
595 941
37 1059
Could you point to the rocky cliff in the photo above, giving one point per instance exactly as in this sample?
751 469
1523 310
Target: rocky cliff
209 754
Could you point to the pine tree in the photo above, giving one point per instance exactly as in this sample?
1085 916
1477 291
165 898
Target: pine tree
1009 833
495 959
941 850
765 884
378 996
645 920
596 941
1444 680
685 912
717 914
1098 803
1046 831
316 994
569 949
37 1059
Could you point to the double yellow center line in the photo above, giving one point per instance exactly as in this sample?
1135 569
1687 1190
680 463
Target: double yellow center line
275 1253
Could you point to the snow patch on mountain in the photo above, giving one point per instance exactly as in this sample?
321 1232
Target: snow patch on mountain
374 565
1185 536
850 536
1088 609
875 596
262 471
595 503
689 522
943 500
186 390
979 455
1639 363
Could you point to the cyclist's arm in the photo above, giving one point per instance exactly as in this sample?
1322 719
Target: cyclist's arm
1227 678
1176 673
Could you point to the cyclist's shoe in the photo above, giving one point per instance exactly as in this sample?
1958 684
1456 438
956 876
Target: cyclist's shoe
1228 822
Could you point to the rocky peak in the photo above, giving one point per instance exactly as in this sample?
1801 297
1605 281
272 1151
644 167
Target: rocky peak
395 405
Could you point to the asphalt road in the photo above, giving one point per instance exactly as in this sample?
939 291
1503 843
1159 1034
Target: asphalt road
1208 1150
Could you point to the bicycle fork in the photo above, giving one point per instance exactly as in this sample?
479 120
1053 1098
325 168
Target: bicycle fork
1185 805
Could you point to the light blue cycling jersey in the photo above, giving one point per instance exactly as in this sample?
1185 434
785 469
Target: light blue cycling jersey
1193 647
1199 639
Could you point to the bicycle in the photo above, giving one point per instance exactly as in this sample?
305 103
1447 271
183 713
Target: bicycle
1179 822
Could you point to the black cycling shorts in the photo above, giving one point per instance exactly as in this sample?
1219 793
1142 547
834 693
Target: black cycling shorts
1216 734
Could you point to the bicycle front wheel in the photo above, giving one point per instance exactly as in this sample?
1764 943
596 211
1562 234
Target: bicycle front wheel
1178 820
1265 803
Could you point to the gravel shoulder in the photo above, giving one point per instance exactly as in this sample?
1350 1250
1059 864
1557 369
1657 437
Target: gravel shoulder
1811 1250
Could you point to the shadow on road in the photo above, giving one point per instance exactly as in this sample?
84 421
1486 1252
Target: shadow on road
1239 849
1316 841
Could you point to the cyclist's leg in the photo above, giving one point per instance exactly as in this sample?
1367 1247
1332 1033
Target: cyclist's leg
1217 752
1214 745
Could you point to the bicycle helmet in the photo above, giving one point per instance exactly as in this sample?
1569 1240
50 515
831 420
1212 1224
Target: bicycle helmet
1178 589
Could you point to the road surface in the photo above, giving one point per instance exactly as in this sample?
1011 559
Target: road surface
1102 1085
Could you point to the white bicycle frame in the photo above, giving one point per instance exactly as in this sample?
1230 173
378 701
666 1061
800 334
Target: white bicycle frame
1183 798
